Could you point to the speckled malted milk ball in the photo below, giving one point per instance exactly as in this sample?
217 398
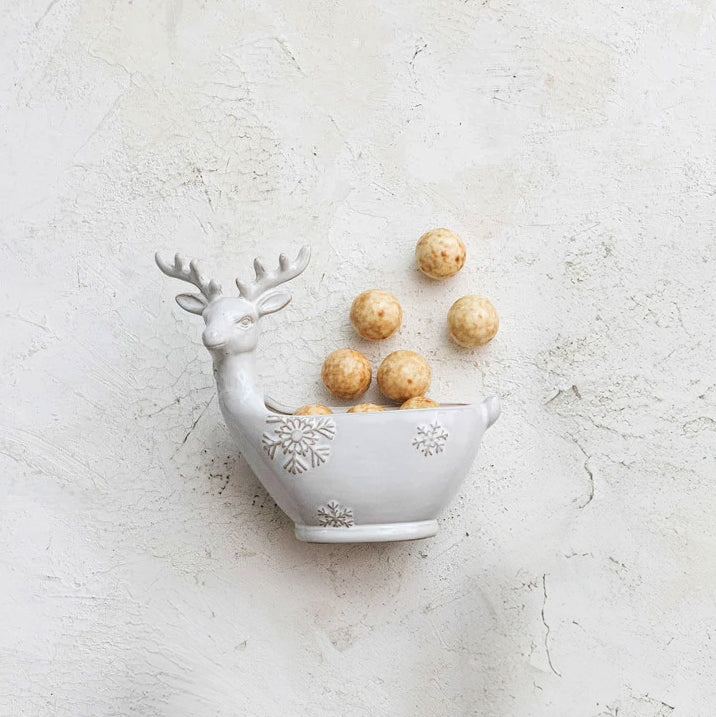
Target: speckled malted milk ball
472 321
403 374
440 253
376 314
346 373
419 402
365 408
312 409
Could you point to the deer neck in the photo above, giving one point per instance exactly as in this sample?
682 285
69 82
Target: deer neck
237 383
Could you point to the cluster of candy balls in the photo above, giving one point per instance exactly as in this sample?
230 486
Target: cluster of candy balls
404 376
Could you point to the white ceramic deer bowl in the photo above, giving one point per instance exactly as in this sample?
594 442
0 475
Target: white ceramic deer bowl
341 478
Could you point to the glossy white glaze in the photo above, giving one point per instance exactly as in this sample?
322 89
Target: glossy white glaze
344 477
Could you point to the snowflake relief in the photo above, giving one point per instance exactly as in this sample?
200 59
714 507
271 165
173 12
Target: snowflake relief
430 438
301 440
334 515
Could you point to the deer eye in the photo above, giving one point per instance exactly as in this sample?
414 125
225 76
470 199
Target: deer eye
245 322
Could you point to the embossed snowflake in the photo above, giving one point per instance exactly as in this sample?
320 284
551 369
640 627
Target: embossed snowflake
301 440
334 515
430 438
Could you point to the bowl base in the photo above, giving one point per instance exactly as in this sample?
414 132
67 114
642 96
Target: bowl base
371 533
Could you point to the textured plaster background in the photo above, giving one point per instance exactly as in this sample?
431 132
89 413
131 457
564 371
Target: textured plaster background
143 569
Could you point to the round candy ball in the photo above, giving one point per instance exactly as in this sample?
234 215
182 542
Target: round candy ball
364 408
472 321
312 409
376 314
403 374
419 402
346 373
440 253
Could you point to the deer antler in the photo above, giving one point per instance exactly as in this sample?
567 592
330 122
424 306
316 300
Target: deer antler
266 280
209 288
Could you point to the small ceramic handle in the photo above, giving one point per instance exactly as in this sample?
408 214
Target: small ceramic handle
491 409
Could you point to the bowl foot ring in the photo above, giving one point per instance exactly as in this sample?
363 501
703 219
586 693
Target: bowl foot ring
371 533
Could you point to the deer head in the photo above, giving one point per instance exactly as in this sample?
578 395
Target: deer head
232 322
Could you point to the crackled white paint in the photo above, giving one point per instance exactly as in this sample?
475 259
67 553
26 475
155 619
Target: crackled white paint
572 145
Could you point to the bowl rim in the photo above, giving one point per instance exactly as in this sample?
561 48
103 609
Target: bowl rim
276 408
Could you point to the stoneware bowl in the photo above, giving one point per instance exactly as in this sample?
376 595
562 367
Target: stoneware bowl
343 477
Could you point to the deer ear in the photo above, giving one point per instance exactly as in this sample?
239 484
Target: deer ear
272 302
193 303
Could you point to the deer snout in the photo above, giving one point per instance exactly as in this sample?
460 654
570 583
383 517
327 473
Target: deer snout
212 339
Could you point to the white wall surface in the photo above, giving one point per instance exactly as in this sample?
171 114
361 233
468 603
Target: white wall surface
143 570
